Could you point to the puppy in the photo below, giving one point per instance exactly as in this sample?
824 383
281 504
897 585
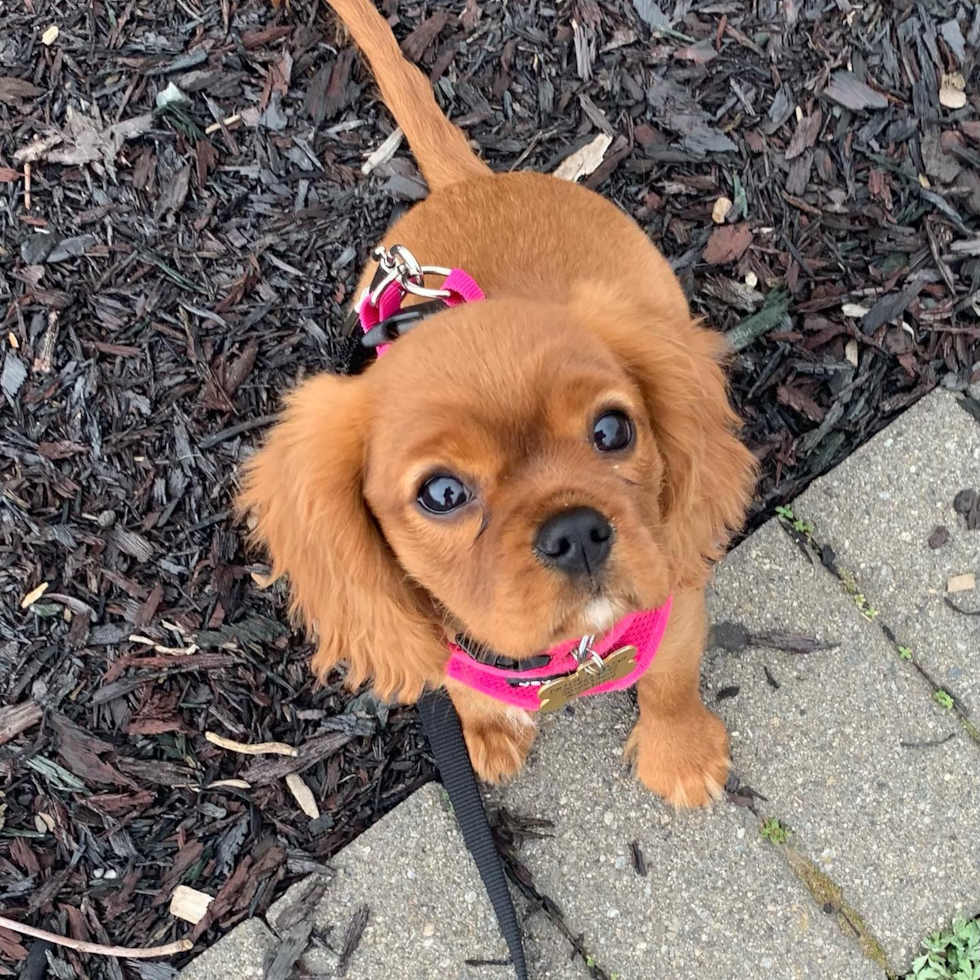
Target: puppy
524 471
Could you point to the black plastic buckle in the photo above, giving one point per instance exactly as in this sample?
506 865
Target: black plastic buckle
398 324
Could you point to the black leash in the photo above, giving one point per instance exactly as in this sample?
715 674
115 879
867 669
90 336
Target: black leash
442 728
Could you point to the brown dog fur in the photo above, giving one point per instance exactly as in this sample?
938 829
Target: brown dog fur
582 313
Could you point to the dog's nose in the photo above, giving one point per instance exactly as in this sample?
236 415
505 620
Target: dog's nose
575 541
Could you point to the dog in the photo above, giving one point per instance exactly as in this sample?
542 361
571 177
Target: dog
523 471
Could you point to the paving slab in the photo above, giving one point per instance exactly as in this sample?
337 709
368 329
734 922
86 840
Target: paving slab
428 915
879 785
717 900
878 511
428 912
240 954
895 826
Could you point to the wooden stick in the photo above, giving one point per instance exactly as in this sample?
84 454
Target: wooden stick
215 126
126 952
27 186
256 748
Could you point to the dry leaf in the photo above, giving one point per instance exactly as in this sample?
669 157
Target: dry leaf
257 748
229 784
189 904
50 35
720 211
584 161
303 795
34 595
85 140
727 244
9 175
851 351
700 53
961 583
952 93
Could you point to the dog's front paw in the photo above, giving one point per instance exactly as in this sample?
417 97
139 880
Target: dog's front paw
684 760
498 748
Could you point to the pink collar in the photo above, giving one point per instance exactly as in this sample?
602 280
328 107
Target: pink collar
616 661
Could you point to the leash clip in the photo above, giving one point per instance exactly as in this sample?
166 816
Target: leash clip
397 264
586 657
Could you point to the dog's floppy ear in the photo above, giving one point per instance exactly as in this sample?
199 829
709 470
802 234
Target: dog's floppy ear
303 493
709 474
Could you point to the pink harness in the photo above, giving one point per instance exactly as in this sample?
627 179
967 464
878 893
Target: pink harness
575 667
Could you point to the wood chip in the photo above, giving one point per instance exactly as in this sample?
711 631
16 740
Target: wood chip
303 795
17 718
851 351
961 583
34 595
584 161
845 89
294 942
50 35
855 310
720 211
727 244
384 152
189 904
952 92
229 784
256 748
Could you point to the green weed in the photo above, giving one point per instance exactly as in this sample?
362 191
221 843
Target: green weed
799 525
953 955
774 831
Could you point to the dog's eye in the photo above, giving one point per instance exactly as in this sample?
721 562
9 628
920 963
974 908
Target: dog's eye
612 431
443 493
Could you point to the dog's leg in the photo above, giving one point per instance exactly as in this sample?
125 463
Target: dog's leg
679 747
497 735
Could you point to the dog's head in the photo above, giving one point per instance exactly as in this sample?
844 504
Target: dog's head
524 472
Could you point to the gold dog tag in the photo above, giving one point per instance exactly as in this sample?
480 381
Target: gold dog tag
556 694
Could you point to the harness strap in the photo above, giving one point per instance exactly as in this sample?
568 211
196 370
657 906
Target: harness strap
442 728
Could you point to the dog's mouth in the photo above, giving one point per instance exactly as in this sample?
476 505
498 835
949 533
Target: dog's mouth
600 614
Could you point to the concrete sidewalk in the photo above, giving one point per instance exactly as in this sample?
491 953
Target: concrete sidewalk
876 782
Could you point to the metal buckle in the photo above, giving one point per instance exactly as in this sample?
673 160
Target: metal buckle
399 265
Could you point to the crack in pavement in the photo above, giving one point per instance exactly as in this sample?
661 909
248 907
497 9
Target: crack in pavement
825 554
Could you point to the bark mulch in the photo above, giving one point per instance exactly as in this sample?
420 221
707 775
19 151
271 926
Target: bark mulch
197 217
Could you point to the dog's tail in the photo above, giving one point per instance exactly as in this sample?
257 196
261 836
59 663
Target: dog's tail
440 148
